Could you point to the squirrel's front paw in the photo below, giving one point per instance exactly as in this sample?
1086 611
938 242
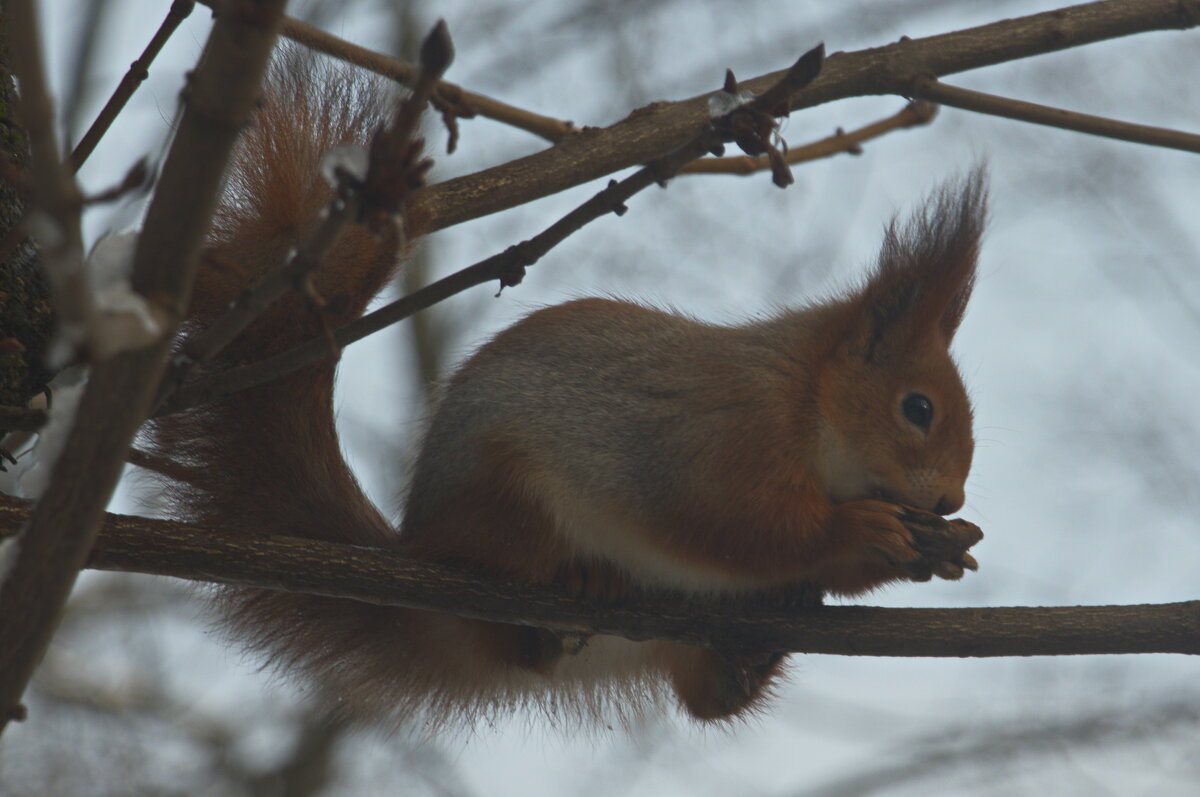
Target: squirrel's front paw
920 542
880 527
943 543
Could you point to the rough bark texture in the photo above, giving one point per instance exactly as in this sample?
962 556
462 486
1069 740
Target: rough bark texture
25 313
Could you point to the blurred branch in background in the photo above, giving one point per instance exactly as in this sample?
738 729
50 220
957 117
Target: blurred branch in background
85 50
427 338
145 707
969 755
56 202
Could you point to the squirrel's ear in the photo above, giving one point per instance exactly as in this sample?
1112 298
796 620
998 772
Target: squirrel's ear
925 271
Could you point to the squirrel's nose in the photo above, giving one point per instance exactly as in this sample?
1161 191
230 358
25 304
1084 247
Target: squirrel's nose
948 504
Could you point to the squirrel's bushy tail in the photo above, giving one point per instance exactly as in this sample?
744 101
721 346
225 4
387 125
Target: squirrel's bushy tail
268 461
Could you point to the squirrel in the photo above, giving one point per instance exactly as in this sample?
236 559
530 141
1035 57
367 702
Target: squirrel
597 446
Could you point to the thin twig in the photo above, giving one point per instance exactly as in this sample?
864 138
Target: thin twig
549 128
60 531
912 115
934 90
91 23
384 577
139 70
468 102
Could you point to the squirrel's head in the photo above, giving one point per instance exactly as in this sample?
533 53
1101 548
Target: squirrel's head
894 418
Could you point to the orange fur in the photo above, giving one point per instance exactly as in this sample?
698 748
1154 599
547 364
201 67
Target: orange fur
597 446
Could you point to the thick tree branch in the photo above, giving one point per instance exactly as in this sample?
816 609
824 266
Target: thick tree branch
375 576
894 69
62 526
936 91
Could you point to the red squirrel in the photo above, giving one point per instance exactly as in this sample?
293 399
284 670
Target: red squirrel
596 446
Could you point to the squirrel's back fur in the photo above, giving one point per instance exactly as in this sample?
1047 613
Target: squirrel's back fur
596 443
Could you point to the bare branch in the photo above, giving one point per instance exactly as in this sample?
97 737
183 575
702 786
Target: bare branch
60 530
386 578
893 69
912 115
139 70
469 103
936 91
982 747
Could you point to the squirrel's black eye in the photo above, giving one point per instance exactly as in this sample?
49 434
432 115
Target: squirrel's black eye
918 410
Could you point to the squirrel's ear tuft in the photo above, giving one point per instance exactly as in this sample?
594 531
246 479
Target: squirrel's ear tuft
926 268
